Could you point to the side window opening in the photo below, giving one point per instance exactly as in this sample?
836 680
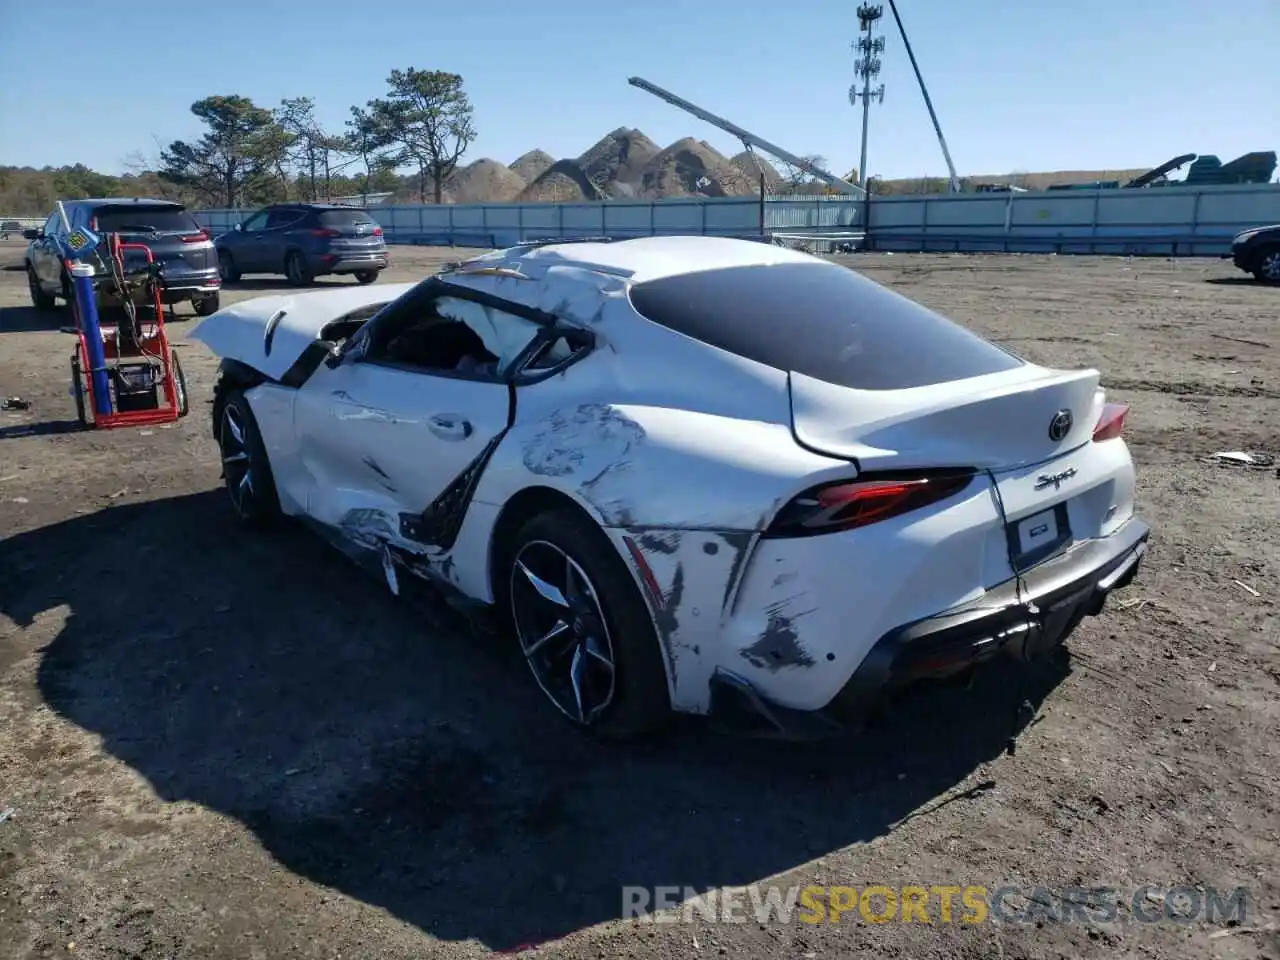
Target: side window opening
556 351
503 335
450 334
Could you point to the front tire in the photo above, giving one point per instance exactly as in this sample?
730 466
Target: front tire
1268 267
246 469
39 299
584 628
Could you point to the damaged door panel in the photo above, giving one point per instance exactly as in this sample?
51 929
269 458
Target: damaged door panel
393 441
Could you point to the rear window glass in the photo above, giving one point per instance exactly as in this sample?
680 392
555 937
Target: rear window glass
820 320
126 219
343 218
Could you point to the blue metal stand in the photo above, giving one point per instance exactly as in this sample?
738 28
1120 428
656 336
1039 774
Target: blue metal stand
91 331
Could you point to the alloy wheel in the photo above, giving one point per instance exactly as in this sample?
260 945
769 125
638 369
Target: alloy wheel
562 631
1270 265
237 467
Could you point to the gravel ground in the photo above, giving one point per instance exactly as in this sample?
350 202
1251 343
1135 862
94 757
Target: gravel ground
216 745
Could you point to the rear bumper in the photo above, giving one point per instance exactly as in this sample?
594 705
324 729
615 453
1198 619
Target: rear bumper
194 285
1025 618
349 262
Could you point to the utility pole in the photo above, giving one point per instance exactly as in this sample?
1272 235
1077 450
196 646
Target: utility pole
867 66
924 91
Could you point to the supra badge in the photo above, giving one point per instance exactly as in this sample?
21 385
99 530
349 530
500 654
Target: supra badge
1060 425
1054 480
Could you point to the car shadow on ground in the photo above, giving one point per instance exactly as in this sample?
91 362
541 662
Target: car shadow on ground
279 284
1236 281
43 428
31 320
414 767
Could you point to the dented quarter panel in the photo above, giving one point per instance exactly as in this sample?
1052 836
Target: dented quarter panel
778 632
693 571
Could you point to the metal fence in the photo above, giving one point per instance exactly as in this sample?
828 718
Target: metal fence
503 224
1190 221
1166 220
13 226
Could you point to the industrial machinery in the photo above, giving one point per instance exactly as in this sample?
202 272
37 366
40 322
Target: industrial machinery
123 373
748 139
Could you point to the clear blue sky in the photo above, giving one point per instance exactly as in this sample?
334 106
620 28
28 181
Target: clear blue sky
1034 85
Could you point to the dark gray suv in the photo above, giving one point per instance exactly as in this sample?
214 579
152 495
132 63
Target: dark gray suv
304 241
190 266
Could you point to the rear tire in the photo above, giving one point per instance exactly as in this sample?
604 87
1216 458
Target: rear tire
1268 265
295 269
39 299
604 620
207 305
246 469
366 276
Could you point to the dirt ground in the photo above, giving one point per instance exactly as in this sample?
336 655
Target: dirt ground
216 745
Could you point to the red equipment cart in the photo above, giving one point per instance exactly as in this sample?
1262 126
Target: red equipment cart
140 371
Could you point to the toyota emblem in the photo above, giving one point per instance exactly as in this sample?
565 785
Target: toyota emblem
1060 425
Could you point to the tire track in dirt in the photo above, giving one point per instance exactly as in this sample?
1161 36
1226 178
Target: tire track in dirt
1188 388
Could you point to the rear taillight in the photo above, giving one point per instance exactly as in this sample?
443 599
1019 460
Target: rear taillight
849 504
1111 424
377 231
325 232
200 237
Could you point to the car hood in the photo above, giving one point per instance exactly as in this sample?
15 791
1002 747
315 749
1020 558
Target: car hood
270 333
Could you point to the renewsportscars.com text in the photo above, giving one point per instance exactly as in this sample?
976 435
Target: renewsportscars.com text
937 904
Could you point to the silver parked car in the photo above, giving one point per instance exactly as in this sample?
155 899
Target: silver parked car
176 240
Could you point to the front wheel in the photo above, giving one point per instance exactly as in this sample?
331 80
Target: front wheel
584 629
245 467
39 299
1268 268
366 276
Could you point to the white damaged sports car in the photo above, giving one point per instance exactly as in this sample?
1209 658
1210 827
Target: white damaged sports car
686 474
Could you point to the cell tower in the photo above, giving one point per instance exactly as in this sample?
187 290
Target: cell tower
867 66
